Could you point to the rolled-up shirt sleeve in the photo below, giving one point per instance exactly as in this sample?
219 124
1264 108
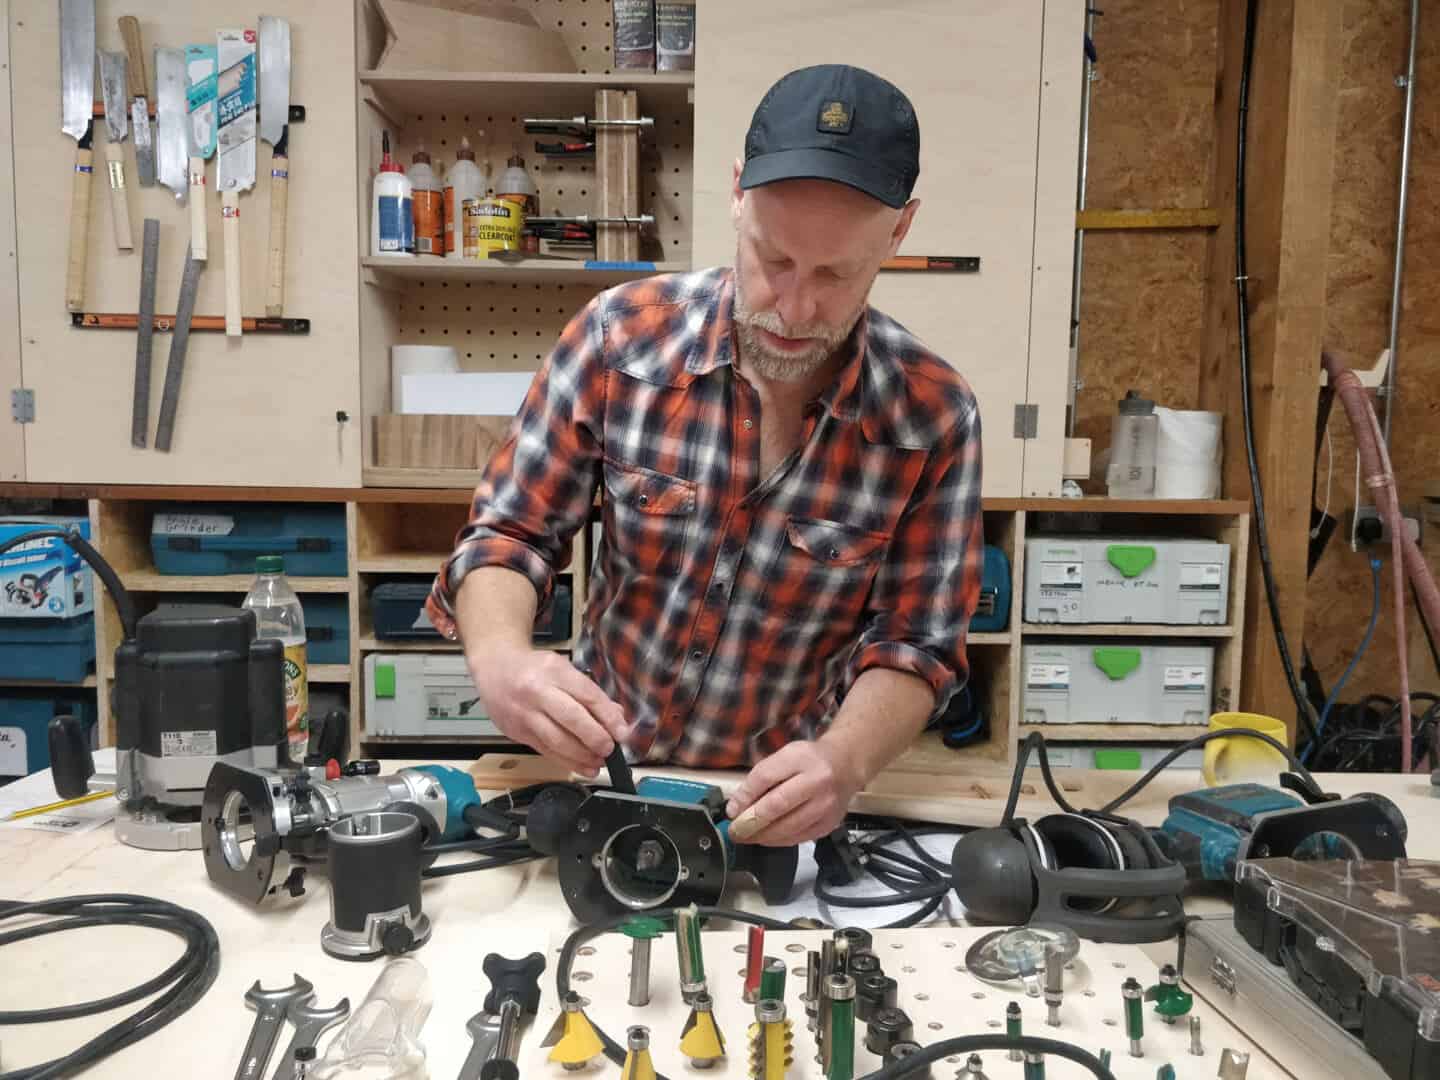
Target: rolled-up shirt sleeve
536 491
926 590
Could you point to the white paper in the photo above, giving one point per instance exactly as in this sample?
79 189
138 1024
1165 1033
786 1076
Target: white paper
39 790
173 524
1048 677
13 747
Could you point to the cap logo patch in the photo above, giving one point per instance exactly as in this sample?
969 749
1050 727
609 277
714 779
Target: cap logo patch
835 118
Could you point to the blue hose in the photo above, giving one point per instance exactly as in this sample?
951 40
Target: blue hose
1350 669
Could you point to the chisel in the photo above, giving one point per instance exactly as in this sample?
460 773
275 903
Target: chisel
139 101
77 104
117 126
275 130
145 333
235 172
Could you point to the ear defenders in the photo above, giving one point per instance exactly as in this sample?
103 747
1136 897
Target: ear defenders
1101 876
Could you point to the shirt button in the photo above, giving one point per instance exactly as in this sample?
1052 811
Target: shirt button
748 424
834 553
697 654
643 499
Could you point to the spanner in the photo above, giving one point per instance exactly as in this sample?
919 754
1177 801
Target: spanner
270 1007
484 1029
310 1023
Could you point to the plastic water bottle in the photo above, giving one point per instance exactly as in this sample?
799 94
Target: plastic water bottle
278 615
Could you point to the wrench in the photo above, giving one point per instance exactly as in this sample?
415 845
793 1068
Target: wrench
310 1023
270 1007
484 1029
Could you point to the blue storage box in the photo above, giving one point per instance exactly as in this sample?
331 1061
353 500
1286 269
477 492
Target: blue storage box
59 650
44 578
207 540
398 610
992 613
25 726
327 629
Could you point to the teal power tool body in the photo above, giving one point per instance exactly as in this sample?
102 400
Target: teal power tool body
1211 831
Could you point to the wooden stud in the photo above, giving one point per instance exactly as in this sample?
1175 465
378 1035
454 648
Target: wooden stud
1098 220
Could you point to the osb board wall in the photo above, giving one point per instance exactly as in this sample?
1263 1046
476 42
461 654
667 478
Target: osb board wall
1151 134
1362 239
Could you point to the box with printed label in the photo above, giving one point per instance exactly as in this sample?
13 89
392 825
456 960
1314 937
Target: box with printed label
43 578
410 694
1113 683
208 540
1174 582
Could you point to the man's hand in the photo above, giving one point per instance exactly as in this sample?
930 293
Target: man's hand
797 793
536 697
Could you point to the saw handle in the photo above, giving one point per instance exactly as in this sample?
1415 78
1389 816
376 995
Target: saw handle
230 214
135 56
279 201
199 225
79 225
119 204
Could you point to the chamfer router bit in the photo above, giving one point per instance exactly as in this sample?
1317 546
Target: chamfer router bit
573 1038
1234 1064
1014 1028
754 963
1054 981
1196 1046
1134 1015
701 1040
638 1065
772 1041
840 1032
692 960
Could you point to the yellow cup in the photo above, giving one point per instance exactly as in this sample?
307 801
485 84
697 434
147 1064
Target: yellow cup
1235 761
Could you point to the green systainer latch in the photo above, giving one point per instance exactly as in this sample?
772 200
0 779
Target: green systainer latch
1132 560
1117 661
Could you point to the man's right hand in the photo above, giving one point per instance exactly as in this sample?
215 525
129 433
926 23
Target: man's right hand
537 697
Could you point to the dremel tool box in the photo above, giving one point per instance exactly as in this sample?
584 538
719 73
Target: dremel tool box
203 540
1179 582
1086 683
413 694
992 610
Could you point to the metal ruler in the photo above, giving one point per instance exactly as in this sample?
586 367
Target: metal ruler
175 367
149 257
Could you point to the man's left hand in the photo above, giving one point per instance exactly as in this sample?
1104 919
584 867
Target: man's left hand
796 794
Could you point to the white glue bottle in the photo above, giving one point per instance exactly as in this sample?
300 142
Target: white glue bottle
278 614
463 180
426 197
392 228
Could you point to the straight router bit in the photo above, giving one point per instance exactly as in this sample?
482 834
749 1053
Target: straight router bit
1196 1047
840 1031
1134 1015
687 948
1014 1028
772 979
754 961
1034 1066
974 1069
1054 981
812 988
772 1041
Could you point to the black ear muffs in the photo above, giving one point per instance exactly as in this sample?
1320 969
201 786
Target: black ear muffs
992 875
1082 843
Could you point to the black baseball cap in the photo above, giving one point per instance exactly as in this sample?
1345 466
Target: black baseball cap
835 122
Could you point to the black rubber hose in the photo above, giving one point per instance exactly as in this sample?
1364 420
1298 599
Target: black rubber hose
195 972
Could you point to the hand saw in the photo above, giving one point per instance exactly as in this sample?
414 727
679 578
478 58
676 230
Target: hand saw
117 126
275 129
77 106
139 101
200 88
235 172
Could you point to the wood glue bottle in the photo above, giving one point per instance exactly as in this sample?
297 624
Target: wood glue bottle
392 225
426 199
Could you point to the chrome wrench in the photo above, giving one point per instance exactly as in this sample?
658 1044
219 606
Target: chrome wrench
484 1029
310 1023
270 1008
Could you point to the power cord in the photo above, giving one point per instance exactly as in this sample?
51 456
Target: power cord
1354 660
966 1044
188 978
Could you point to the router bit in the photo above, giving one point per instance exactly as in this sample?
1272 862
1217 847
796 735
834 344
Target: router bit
1234 1064
687 948
1165 1072
772 979
822 1019
1034 1065
842 955
701 1040
638 1065
1054 981
573 1038
754 963
1134 1015
772 1041
974 1069
1014 1028
641 931
840 1031
1196 1047
903 1051
812 988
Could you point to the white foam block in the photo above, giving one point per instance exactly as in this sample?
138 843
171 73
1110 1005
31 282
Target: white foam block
466 393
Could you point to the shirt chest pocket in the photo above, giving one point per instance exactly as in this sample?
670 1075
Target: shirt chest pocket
823 572
649 517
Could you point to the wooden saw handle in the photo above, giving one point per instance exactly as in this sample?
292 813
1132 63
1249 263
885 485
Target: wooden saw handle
199 224
135 56
230 214
119 204
79 229
279 200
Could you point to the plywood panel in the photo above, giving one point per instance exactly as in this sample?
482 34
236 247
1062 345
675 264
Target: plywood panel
258 410
12 441
973 71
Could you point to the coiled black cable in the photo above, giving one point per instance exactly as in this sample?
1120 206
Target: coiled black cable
188 978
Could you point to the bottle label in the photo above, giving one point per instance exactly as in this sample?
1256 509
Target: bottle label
392 230
407 223
297 701
429 222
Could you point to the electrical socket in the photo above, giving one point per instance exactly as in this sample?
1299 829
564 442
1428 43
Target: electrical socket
1368 529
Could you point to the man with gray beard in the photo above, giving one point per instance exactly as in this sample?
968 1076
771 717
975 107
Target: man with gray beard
792 537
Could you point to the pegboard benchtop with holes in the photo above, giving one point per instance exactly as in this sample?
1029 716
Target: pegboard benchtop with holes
942 999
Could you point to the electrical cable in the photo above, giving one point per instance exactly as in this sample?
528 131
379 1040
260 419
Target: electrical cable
191 975
1354 660
934 1052
1257 492
1033 741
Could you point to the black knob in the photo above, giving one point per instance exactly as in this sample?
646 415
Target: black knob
397 939
305 1053
500 1069
518 979
363 767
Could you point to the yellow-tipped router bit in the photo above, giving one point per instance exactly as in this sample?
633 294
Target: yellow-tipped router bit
638 1065
772 1042
701 1041
573 1037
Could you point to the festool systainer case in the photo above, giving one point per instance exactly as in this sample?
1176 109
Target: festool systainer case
1114 683
1071 579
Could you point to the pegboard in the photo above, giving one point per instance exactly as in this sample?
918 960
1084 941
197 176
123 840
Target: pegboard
942 999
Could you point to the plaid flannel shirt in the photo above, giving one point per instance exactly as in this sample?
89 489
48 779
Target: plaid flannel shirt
729 612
